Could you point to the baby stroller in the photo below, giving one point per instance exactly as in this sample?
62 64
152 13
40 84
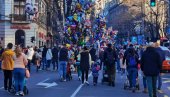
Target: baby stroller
25 90
69 69
105 75
127 82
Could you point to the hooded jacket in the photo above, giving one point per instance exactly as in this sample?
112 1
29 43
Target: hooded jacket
151 62
7 60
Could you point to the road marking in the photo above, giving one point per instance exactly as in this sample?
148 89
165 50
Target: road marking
78 89
165 78
1 88
47 85
166 81
168 88
166 96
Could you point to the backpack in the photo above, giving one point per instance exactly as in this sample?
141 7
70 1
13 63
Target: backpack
110 57
132 61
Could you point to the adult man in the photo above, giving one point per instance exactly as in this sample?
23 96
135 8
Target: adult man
151 67
30 54
109 59
7 66
63 59
55 58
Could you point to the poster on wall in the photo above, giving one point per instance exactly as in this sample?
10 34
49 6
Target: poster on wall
134 40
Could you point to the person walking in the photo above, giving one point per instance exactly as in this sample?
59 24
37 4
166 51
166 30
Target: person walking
85 63
93 53
49 57
20 62
8 66
63 59
55 58
151 66
30 55
132 68
110 59
44 61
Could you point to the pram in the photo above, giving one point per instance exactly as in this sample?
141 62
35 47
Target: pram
127 83
25 90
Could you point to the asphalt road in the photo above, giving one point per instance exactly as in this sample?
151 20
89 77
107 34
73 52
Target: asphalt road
47 84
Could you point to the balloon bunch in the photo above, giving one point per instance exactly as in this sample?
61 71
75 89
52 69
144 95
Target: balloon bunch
76 25
31 8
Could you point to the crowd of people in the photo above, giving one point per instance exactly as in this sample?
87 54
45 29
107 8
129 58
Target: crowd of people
82 59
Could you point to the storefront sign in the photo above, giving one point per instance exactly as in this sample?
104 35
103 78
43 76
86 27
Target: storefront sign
20 27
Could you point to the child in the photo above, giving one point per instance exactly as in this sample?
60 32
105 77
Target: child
95 73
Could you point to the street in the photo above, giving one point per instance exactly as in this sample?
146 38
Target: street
47 84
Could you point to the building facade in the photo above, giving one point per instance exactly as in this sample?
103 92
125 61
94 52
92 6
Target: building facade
17 27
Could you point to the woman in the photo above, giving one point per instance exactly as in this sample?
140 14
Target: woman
20 61
37 59
85 62
49 58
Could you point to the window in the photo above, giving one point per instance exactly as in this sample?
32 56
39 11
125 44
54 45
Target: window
19 7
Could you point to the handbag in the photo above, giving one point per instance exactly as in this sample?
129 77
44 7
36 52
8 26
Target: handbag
27 73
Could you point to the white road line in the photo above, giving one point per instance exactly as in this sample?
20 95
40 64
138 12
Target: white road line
166 96
1 88
78 89
168 88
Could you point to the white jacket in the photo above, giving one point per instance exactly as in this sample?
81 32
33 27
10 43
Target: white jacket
49 54
30 53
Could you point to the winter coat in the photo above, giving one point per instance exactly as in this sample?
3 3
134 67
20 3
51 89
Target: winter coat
151 62
63 55
85 60
55 53
44 52
110 50
30 53
49 54
7 60
93 54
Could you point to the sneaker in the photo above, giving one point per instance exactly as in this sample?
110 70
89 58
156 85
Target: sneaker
17 94
145 91
86 82
133 89
79 78
21 93
64 80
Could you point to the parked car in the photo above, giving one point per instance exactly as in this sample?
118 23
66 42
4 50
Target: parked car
166 63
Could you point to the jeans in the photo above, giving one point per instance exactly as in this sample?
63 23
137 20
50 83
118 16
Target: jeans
132 75
151 83
48 63
78 69
144 82
159 81
63 69
55 63
44 62
19 75
7 79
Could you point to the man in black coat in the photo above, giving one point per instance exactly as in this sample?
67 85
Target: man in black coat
110 57
151 67
55 58
93 53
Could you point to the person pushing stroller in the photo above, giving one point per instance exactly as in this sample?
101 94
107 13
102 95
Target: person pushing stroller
132 66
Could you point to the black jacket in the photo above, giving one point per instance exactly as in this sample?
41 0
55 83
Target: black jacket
44 52
84 61
151 62
63 56
55 53
114 56
93 54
